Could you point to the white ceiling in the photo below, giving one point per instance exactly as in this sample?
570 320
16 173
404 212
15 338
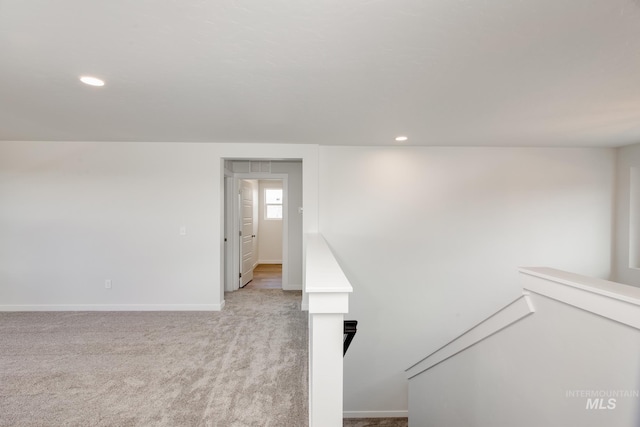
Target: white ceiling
353 72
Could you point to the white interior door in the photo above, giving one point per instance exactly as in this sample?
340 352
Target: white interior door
247 232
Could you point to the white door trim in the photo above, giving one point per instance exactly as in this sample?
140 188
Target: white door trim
229 198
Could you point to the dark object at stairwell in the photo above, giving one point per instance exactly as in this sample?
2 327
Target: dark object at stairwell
350 329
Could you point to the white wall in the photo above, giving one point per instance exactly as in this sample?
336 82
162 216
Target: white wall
624 270
535 373
430 239
74 214
270 230
297 184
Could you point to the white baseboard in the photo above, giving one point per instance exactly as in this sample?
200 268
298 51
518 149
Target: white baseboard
114 307
292 287
270 261
375 414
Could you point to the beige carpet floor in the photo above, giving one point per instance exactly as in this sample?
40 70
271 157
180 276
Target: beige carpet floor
244 366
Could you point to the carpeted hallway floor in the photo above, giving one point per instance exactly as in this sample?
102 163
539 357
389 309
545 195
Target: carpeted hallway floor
244 366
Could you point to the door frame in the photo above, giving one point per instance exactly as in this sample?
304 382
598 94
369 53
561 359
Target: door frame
309 157
234 249
229 198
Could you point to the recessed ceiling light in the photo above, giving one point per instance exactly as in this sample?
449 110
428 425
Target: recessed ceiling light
401 138
91 81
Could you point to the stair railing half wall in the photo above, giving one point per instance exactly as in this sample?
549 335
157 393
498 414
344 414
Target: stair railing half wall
328 291
564 353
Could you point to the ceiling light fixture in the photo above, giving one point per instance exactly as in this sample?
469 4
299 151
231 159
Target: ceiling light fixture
91 81
401 138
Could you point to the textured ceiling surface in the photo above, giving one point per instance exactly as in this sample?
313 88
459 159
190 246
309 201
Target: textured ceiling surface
357 72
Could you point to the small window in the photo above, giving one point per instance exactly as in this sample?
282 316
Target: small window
273 203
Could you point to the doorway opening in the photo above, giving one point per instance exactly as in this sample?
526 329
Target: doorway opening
262 221
263 225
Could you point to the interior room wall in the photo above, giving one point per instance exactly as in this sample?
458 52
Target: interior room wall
626 267
75 214
536 373
431 239
270 230
294 170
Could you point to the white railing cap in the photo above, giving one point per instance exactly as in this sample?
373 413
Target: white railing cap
323 273
618 291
